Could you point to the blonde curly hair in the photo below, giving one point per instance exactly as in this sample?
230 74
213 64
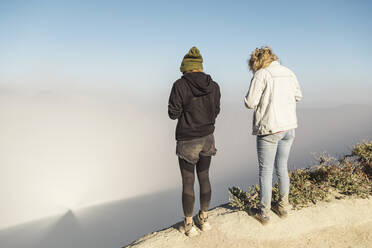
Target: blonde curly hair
261 58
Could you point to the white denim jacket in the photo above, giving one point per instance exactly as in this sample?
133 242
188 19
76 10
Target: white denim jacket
273 94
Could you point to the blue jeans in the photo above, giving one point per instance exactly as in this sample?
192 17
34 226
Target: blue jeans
273 150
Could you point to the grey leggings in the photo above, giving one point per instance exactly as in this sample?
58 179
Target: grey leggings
188 178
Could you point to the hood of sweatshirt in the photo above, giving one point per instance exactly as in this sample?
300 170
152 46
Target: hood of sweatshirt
199 82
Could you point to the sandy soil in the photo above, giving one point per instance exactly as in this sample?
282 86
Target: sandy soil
340 223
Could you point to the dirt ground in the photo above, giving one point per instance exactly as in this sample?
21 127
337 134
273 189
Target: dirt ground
340 223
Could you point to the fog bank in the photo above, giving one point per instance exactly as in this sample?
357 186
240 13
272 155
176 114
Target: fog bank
69 152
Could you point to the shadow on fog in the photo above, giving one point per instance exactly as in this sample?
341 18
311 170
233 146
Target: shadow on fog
115 224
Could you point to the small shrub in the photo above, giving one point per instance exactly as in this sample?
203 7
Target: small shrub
307 186
244 200
363 151
350 179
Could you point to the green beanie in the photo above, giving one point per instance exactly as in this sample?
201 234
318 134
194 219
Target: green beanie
192 61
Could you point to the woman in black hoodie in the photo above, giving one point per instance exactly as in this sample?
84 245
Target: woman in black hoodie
195 102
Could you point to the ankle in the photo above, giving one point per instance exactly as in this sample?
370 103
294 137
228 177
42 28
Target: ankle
188 220
283 198
203 214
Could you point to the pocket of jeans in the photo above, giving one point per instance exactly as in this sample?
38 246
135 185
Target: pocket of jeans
273 138
291 134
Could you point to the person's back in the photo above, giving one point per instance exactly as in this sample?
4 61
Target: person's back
194 101
274 93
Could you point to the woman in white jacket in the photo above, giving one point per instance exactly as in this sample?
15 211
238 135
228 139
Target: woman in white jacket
273 93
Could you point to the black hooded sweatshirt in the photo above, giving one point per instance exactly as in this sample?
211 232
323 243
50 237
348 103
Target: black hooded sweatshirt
195 102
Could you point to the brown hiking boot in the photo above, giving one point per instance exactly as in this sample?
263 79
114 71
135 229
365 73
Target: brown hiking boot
202 223
190 229
280 208
262 216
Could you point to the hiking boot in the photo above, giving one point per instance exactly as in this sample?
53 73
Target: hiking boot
280 208
190 229
202 223
262 216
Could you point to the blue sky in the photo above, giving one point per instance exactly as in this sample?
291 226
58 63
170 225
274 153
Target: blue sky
139 45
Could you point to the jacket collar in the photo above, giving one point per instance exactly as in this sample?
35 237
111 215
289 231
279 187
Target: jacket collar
275 63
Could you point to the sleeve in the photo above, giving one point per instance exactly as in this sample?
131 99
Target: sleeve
217 100
175 103
255 91
298 93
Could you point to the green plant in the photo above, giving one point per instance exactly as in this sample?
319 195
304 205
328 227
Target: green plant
363 151
243 200
307 186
